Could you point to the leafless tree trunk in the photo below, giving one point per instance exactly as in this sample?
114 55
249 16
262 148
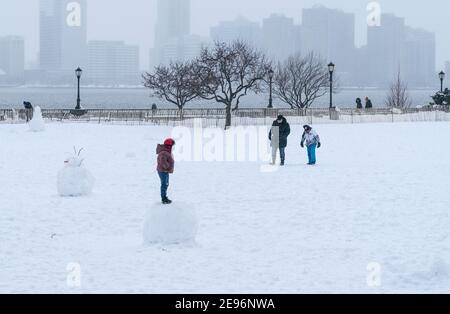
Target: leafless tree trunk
172 83
227 72
398 96
299 81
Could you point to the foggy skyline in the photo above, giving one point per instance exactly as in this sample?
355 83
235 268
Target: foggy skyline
134 21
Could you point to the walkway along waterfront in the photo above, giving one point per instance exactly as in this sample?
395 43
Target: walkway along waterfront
216 117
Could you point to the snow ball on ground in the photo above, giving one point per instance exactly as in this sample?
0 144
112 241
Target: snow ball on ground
170 224
37 124
74 179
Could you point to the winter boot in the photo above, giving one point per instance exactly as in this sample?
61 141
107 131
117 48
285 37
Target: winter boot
282 163
166 201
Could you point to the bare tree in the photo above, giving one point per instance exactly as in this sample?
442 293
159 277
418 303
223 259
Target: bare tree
173 83
227 72
398 96
299 81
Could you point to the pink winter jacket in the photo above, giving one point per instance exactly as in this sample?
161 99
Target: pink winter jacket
166 163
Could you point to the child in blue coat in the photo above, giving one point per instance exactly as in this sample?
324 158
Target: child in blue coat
312 141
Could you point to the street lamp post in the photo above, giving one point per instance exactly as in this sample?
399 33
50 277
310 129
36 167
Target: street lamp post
78 73
331 67
442 77
271 73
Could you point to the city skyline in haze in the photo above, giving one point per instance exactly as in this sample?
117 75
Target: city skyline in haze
134 21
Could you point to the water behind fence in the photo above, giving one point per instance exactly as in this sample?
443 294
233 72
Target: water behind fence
216 117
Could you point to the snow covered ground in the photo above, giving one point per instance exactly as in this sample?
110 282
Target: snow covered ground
372 217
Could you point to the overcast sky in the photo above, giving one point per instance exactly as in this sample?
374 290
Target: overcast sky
133 20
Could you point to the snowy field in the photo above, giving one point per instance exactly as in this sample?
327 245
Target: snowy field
372 217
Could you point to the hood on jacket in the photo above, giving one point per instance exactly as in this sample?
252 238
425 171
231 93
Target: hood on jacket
163 148
275 123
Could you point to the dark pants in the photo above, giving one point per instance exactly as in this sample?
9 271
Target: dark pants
283 153
29 114
164 176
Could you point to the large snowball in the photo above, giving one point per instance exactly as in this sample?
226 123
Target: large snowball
170 224
37 124
74 181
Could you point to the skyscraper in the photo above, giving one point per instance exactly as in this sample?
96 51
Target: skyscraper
281 37
238 29
385 46
172 27
63 33
447 68
112 63
418 65
330 33
184 49
174 19
12 57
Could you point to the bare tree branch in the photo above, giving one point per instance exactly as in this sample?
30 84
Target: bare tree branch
228 72
173 83
299 81
398 96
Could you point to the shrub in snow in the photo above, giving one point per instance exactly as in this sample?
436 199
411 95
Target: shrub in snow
441 98
37 124
170 224
397 111
74 179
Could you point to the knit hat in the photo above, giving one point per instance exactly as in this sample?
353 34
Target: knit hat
169 142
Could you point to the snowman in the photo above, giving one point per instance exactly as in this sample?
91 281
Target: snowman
74 179
37 124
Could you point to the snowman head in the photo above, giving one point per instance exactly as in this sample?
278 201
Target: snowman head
75 160
38 111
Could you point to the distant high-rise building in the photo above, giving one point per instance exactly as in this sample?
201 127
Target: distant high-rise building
360 77
112 63
183 49
418 64
174 19
385 46
330 33
63 33
172 27
239 29
280 37
12 57
447 68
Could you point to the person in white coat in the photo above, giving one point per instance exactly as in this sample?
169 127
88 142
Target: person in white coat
312 141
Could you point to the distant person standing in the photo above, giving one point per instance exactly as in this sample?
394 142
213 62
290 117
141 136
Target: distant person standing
359 104
278 137
28 110
369 104
312 141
